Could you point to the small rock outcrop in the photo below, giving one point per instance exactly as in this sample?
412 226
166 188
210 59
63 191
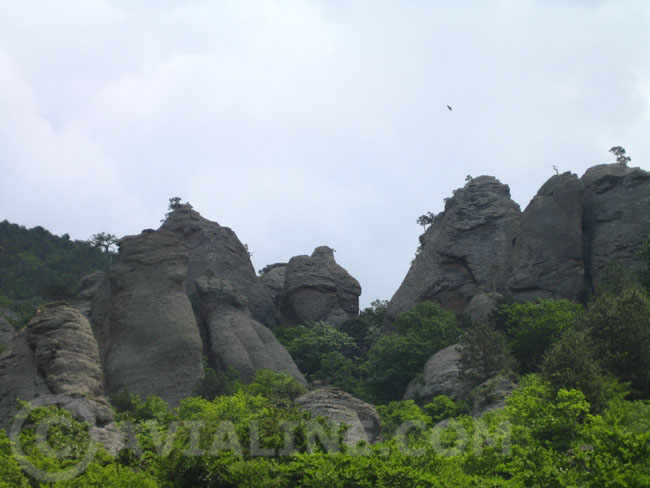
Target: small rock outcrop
547 256
317 288
236 339
55 360
441 376
467 249
492 394
340 407
616 216
155 347
214 250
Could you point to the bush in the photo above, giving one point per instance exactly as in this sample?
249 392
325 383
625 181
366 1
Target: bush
572 363
484 353
308 344
397 357
533 327
619 323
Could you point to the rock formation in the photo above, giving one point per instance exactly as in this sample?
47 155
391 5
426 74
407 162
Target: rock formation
214 250
616 216
155 347
315 288
556 248
55 361
151 338
236 340
467 248
547 256
340 407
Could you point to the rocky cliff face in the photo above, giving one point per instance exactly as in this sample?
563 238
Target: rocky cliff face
236 339
467 248
616 216
556 248
55 361
154 343
214 250
547 256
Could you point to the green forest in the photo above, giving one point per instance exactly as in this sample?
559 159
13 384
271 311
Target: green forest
38 266
579 417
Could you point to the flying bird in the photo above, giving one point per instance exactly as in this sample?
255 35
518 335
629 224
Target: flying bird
449 107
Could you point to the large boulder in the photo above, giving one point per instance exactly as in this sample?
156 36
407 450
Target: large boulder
441 376
616 216
547 259
467 249
155 346
55 360
317 288
214 250
492 394
340 407
236 339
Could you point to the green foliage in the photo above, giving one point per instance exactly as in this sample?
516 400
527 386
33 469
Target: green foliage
533 327
619 323
544 437
131 406
10 472
308 344
621 158
442 407
397 357
572 363
644 255
216 383
396 414
484 353
34 263
277 387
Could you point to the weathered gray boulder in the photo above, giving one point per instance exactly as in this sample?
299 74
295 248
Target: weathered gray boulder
214 250
467 249
492 394
236 339
317 288
616 215
482 305
55 361
441 376
547 259
340 407
155 346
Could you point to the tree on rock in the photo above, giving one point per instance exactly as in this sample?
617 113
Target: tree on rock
425 220
106 242
621 158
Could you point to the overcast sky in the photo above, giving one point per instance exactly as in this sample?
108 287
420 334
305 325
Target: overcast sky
307 123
